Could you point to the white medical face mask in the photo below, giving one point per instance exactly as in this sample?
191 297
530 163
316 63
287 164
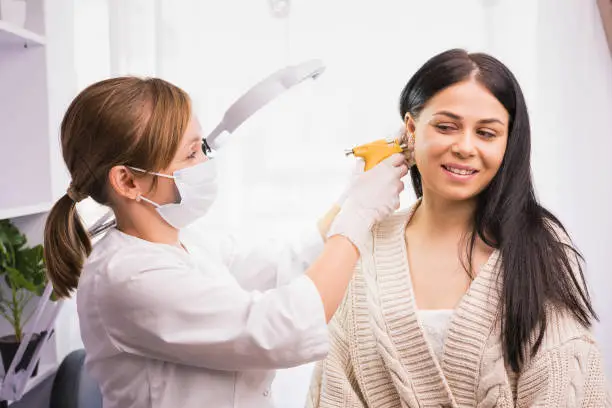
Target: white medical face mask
197 187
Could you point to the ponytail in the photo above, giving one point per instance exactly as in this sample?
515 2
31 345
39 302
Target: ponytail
66 246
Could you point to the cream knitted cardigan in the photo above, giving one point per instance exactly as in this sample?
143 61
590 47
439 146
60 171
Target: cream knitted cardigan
379 356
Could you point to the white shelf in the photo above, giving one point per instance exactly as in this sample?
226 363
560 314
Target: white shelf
12 35
37 82
44 372
26 210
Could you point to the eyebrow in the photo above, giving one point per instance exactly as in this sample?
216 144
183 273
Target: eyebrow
457 117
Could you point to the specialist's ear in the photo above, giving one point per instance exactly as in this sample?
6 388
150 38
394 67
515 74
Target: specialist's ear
123 182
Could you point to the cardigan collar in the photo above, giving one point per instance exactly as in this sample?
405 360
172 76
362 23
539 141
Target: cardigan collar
402 348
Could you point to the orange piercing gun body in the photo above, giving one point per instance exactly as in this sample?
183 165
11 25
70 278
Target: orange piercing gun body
377 151
372 153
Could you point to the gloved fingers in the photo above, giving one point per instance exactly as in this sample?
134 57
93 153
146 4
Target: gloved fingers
400 186
356 172
395 160
396 204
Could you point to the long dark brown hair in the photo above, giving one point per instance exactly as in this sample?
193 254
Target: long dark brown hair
539 264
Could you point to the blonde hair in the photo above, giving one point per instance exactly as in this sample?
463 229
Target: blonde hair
126 120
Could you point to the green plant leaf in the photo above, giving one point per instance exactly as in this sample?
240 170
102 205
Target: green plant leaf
11 242
9 234
19 281
23 269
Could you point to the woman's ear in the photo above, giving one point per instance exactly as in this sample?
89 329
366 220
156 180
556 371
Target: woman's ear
409 123
123 183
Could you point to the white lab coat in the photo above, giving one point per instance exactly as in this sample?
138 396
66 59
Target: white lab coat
166 329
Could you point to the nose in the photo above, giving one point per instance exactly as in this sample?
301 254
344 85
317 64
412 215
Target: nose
464 146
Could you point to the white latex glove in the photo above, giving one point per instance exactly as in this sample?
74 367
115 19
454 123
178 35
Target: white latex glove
355 173
371 198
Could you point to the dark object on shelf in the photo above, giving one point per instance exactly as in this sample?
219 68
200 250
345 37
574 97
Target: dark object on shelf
8 349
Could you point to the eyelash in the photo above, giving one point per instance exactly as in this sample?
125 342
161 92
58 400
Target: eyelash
488 135
446 128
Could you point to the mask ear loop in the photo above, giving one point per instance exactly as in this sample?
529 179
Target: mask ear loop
150 172
140 197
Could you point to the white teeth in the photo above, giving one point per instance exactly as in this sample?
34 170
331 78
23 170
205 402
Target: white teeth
462 172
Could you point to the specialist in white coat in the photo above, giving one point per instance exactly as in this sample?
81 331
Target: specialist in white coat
173 320
198 329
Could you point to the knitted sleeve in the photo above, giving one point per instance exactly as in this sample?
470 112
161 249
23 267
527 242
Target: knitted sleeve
569 375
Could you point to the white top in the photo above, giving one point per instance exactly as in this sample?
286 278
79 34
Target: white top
164 328
435 325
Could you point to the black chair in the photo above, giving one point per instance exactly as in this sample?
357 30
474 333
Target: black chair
72 387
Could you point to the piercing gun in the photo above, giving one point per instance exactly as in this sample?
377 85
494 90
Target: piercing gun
377 151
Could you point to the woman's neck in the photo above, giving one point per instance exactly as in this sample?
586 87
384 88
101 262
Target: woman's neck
147 226
438 217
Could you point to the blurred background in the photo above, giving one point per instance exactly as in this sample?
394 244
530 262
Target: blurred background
286 165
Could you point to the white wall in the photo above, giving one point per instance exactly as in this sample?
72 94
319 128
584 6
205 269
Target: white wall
575 106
